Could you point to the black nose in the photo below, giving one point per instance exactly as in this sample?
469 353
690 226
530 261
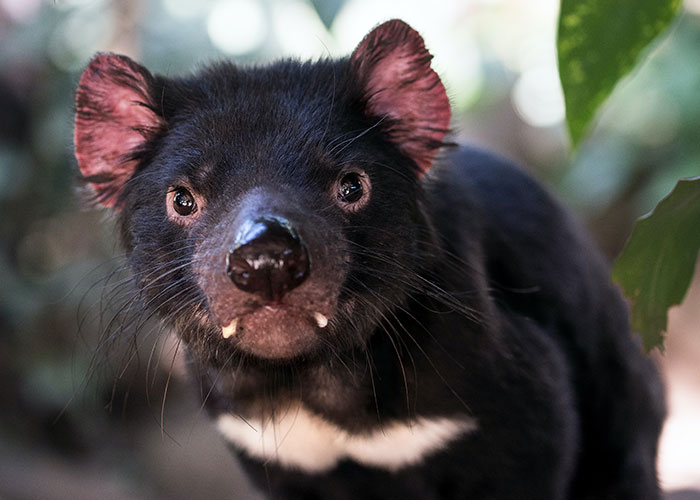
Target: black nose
269 259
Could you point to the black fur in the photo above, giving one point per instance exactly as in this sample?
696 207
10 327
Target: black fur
467 290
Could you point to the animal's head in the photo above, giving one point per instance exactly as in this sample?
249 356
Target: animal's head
272 212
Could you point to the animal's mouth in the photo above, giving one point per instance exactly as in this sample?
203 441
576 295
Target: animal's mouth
231 329
256 272
276 331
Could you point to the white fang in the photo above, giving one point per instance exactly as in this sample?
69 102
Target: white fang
302 440
230 330
321 320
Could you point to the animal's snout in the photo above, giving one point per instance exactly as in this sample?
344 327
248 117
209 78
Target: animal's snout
269 259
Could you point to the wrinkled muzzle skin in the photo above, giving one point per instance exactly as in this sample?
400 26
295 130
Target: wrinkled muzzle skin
290 326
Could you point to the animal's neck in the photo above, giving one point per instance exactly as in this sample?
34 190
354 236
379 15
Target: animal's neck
296 437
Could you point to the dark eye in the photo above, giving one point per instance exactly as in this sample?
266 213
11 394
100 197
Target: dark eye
183 202
351 188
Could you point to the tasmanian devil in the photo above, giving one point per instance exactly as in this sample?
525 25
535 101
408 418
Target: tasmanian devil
371 313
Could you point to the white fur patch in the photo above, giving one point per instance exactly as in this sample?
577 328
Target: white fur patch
299 439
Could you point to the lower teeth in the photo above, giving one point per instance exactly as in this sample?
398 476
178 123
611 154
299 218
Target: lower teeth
321 320
228 331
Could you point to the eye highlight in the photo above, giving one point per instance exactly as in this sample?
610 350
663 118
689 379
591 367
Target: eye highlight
181 204
352 190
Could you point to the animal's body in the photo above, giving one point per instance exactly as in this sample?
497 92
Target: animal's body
365 320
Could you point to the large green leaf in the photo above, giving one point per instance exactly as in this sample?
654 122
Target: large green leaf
599 42
657 264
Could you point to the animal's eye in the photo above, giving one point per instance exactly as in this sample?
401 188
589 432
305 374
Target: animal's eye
183 202
351 188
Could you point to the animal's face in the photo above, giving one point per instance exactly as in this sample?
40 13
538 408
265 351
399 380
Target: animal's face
271 212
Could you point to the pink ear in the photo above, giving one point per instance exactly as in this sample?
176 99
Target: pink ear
115 117
394 68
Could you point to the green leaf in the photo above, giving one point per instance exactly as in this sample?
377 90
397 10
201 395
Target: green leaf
656 266
599 42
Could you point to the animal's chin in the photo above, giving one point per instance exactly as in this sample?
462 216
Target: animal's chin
276 333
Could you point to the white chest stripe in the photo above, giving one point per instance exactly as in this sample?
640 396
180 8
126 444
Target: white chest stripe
302 440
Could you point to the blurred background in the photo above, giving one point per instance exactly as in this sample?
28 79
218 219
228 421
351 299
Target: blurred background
80 421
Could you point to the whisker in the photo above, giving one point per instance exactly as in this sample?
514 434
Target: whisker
340 147
167 385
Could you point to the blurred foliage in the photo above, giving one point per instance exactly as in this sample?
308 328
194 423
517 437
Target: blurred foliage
657 264
646 139
55 256
599 41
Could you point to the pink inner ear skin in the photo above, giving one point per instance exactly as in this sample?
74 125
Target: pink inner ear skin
394 66
114 118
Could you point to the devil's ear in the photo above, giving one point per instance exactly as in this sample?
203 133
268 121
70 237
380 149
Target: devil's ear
115 117
401 88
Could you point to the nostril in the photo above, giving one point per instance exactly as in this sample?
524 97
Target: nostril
269 259
237 268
